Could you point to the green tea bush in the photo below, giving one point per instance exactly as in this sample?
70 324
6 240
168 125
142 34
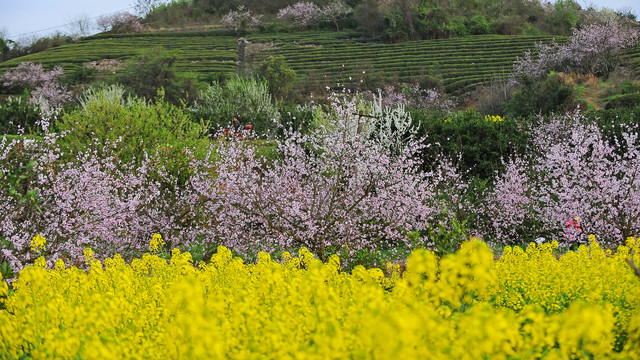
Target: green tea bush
80 75
245 99
133 125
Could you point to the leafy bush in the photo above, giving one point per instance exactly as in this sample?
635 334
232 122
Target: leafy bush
478 25
298 118
395 28
445 234
80 75
247 100
613 122
130 125
4 50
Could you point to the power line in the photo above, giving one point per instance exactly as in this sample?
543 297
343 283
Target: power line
71 23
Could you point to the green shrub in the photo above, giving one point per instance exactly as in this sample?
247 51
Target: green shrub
279 76
153 71
614 121
479 142
395 28
298 118
16 113
134 126
623 101
246 99
80 75
445 234
545 97
478 25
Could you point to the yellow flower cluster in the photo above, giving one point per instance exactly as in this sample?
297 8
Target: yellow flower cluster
38 243
494 118
527 304
156 243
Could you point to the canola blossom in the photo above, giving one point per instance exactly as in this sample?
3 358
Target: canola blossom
527 304
494 118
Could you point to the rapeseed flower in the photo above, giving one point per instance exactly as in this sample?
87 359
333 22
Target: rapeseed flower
530 303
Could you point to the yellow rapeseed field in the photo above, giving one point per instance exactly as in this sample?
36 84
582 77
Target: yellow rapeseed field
529 304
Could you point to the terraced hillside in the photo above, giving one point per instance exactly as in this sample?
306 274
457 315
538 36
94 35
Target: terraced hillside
632 59
203 53
320 58
462 63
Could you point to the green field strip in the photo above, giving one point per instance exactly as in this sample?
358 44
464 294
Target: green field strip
417 50
435 56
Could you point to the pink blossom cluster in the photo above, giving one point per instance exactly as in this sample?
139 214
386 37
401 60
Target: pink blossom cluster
95 201
301 14
575 177
241 19
332 189
538 62
592 49
44 84
333 11
121 22
414 97
305 13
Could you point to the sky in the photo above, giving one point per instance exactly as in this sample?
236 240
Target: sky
20 18
24 19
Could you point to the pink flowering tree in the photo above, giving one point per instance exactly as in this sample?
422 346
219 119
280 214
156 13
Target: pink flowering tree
241 19
577 184
338 187
121 22
301 14
539 61
44 85
593 49
335 11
